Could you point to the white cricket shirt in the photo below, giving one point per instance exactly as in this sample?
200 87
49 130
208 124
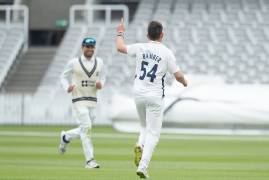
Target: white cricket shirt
153 61
84 86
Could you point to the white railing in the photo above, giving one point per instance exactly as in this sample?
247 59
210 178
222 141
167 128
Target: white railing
17 15
8 63
87 13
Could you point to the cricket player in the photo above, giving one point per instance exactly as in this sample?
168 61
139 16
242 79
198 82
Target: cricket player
82 77
153 61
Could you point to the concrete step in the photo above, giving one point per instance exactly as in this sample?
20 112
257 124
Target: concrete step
31 69
30 57
34 69
26 89
26 79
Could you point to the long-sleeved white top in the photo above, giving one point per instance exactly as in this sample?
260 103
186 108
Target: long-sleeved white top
66 76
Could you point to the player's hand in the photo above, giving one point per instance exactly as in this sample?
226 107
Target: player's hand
98 85
121 28
70 88
185 84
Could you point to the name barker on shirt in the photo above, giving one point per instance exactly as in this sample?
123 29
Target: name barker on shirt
149 55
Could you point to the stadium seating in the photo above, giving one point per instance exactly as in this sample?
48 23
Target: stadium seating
227 30
213 36
226 38
221 38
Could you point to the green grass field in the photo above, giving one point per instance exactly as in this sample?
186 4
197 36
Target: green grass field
30 153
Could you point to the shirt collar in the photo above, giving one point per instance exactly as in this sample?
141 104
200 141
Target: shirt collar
154 42
85 59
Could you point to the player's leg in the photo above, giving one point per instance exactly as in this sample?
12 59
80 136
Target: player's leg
154 114
67 136
86 116
63 142
141 109
72 134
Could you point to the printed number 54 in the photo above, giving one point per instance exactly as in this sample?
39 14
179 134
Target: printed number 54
150 74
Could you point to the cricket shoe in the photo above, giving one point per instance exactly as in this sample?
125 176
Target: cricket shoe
142 172
63 143
138 155
91 164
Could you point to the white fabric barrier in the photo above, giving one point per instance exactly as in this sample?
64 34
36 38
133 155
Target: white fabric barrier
207 104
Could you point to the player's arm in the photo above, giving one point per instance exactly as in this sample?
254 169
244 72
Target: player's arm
174 69
102 77
121 47
180 78
66 77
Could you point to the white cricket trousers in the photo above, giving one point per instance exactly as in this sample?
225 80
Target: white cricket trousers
150 111
84 116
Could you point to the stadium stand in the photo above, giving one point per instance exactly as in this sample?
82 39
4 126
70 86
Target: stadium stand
14 39
224 38
30 70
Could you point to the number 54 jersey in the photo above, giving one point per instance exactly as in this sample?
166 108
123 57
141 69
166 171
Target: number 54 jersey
153 61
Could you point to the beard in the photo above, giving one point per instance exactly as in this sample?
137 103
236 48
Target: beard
88 54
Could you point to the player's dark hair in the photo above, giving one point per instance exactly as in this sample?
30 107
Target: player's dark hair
154 30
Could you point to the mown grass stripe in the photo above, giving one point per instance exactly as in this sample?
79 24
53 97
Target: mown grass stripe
181 157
